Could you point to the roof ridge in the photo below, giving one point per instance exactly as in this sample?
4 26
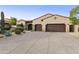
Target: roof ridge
61 15
43 15
48 17
51 15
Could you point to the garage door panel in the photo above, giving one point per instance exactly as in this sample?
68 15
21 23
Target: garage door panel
55 27
38 27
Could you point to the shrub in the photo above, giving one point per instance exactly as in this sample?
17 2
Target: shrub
17 31
12 29
7 26
8 33
21 27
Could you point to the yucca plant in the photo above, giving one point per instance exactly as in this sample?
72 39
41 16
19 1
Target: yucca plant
2 23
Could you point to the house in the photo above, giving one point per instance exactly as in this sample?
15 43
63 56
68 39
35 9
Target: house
7 20
21 21
51 23
27 24
48 23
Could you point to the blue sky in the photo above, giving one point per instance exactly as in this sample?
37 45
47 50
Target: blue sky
29 12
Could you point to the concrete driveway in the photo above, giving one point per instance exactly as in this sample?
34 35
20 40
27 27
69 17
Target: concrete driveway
40 43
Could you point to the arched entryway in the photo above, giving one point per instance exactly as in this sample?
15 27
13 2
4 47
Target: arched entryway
29 27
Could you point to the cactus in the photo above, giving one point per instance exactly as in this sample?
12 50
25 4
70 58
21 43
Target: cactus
2 22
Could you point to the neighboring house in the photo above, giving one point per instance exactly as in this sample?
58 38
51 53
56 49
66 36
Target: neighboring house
7 20
21 21
51 23
27 24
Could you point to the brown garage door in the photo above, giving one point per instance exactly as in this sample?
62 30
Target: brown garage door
55 27
38 27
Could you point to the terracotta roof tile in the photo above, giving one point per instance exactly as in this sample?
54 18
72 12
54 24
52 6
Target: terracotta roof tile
49 16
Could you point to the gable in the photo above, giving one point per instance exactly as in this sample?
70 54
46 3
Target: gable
44 16
51 18
56 19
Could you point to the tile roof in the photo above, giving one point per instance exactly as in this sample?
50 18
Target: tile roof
50 15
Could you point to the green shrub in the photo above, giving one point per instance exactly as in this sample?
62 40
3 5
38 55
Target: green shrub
17 31
7 26
7 33
21 27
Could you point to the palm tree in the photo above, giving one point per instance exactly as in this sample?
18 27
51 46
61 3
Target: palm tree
73 16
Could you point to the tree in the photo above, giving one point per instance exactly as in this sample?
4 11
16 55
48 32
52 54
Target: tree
2 22
13 21
73 15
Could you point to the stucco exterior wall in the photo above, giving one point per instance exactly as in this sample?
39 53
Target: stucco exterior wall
52 20
76 28
21 22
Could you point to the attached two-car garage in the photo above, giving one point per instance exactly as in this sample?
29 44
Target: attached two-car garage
55 28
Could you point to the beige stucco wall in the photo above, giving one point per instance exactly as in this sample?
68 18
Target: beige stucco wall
21 22
52 20
76 28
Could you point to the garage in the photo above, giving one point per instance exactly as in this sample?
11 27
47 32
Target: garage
38 27
55 28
